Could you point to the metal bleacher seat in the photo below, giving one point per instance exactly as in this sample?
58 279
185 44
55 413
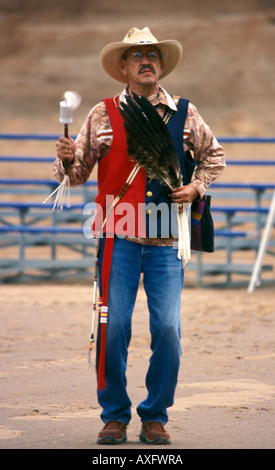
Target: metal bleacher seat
27 225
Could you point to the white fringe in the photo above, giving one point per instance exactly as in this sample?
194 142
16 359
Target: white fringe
184 251
62 194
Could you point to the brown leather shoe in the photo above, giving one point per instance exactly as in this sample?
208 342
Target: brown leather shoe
153 432
114 432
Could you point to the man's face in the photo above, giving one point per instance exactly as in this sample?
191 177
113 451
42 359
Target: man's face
142 66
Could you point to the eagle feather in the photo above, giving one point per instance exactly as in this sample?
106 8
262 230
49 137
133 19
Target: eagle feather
149 142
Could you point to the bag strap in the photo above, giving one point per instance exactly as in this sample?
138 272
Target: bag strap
170 111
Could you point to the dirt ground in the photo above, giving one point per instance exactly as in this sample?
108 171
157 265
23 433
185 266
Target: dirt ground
225 396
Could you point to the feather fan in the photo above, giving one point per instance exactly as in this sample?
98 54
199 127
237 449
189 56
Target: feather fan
149 142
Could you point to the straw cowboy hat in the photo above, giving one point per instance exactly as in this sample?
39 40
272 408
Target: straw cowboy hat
110 55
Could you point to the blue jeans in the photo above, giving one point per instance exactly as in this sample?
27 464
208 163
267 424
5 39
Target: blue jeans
163 282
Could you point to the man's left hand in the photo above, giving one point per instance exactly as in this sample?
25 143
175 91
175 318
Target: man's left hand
184 195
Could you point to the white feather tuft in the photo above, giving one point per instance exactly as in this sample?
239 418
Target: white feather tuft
73 99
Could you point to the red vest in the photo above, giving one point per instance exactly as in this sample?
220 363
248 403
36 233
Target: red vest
113 171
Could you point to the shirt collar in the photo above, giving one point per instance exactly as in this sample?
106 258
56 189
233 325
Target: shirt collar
161 97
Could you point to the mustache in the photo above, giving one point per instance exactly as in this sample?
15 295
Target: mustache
146 67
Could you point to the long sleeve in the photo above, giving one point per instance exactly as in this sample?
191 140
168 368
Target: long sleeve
92 143
208 153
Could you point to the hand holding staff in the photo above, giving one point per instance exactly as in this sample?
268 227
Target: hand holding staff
65 148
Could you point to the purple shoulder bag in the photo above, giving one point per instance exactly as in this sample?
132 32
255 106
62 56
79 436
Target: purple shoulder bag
202 226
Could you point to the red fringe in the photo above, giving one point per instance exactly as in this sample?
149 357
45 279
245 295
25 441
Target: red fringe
101 382
106 266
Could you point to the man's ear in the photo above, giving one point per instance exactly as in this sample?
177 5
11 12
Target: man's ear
123 67
161 65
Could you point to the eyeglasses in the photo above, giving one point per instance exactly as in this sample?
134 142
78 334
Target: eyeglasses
138 55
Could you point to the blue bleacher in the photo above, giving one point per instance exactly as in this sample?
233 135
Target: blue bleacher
28 224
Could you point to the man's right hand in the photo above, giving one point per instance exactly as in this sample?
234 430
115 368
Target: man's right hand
65 149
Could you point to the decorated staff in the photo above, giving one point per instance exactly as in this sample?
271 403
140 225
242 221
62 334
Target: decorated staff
150 144
95 307
70 102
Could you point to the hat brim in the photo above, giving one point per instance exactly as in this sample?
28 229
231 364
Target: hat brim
110 56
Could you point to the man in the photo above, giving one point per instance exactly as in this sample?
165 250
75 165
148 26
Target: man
139 61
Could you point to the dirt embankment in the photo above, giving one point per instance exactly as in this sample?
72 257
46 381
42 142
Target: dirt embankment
226 70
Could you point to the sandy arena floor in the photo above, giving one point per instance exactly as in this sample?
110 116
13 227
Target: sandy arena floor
225 395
